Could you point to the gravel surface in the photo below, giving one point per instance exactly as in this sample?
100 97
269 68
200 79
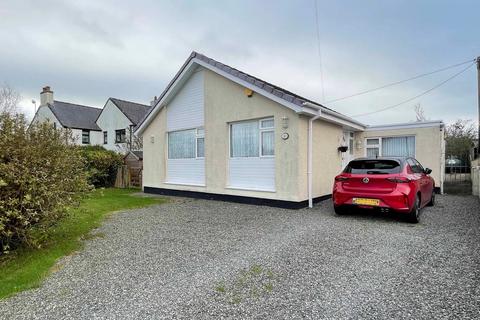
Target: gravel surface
207 259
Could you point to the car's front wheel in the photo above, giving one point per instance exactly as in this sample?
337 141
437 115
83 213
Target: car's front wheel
432 199
414 214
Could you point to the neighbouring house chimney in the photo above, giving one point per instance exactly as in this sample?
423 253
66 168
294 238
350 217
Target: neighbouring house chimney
152 103
46 96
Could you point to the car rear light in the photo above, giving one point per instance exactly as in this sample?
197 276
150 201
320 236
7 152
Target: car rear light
399 180
341 178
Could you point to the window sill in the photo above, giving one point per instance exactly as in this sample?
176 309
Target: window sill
250 189
185 184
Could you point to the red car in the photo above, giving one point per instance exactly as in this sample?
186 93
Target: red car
398 184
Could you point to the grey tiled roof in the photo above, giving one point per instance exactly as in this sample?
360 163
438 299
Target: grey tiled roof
75 116
133 111
271 88
262 84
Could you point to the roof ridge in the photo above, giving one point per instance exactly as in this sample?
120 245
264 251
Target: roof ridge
75 104
140 104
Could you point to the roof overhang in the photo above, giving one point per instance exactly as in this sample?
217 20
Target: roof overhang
308 109
407 125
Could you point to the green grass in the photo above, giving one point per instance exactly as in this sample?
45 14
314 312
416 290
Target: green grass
26 268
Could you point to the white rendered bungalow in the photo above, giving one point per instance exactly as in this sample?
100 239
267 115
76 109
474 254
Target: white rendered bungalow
219 133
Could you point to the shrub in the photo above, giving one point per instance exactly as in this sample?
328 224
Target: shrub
101 165
41 174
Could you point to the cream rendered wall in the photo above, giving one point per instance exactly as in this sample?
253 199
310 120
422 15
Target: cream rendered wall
428 146
226 102
327 161
112 119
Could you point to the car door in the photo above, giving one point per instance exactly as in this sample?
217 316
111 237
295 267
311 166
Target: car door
426 185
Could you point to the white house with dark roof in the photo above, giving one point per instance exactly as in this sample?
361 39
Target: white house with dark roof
78 118
118 120
109 127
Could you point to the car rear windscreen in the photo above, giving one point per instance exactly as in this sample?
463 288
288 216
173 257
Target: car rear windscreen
376 166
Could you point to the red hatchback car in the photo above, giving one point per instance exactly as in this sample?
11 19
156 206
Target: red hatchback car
398 184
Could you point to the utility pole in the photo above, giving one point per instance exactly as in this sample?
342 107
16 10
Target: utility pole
478 91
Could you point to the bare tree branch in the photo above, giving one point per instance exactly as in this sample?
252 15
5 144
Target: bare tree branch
9 99
420 113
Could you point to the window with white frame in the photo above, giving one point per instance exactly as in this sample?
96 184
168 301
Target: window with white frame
252 138
402 146
186 144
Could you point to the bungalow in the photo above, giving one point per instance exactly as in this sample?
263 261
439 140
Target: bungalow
217 132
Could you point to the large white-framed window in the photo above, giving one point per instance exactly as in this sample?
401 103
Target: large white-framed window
186 144
399 146
253 138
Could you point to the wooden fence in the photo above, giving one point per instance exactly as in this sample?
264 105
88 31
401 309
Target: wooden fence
128 177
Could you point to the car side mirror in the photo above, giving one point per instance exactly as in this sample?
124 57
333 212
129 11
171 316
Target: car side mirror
427 171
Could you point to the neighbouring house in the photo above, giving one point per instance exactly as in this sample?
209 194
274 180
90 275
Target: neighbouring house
110 127
220 133
79 119
118 120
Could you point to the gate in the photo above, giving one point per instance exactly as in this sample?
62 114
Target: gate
458 179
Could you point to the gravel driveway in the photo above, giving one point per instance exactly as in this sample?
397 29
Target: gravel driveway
207 259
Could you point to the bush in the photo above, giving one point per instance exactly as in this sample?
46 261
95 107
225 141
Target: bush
41 174
101 165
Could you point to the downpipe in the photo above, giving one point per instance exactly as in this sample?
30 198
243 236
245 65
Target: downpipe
310 158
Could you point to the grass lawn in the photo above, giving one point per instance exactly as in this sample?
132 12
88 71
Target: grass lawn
26 269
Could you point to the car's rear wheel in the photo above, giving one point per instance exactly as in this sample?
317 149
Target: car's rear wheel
340 210
414 214
432 199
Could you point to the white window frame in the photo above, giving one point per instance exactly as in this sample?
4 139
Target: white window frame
379 145
266 129
197 136
260 129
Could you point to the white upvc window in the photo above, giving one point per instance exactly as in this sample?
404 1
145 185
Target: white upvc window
254 138
399 146
186 144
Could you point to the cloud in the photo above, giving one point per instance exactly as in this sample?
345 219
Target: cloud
90 50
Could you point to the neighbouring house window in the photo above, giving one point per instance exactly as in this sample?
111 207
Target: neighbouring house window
186 144
105 137
120 136
391 146
55 125
85 136
252 138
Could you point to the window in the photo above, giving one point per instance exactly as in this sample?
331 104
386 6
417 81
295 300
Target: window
120 136
391 146
373 167
415 166
85 136
186 144
105 138
252 139
373 147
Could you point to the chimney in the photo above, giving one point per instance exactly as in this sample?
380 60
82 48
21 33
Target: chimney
46 96
152 103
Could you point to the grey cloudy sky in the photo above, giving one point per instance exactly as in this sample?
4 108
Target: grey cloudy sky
90 50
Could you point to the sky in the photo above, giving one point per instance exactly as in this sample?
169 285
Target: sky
89 50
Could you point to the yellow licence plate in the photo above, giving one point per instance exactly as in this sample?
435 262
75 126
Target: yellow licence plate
366 201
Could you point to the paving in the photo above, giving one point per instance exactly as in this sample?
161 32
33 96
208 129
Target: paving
200 259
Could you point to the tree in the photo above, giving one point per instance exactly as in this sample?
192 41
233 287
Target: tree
460 138
9 99
419 113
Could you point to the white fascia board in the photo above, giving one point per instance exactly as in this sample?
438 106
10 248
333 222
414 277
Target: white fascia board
345 123
408 125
